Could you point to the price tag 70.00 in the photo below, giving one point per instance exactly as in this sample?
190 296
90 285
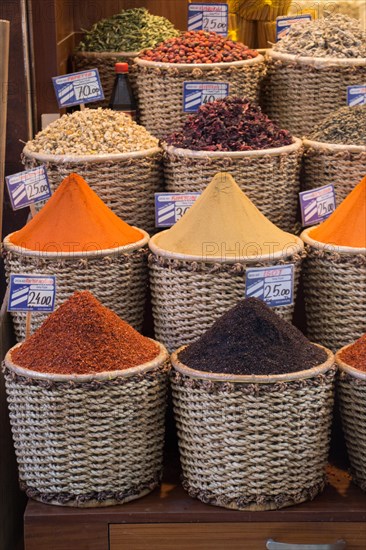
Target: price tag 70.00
32 293
274 285
78 88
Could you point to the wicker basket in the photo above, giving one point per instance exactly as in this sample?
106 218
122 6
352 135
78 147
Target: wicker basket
335 292
88 440
341 165
117 277
160 88
352 401
104 62
253 442
298 92
126 182
269 177
189 294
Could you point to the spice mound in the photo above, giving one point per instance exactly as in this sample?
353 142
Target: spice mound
84 337
347 225
230 124
75 219
331 36
355 355
224 223
347 126
251 339
199 47
129 31
92 132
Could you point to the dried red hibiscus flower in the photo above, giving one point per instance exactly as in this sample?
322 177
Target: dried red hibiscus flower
230 124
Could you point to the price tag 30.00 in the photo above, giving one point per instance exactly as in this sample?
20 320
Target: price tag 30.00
170 207
317 204
208 17
78 88
28 187
274 285
32 293
197 93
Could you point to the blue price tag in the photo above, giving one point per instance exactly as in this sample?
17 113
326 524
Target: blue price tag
274 285
356 95
28 187
32 293
197 93
317 204
208 17
284 23
76 88
170 207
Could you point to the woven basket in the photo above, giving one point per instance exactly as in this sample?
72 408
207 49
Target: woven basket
335 292
253 442
352 401
189 294
298 92
88 440
341 165
125 182
269 177
104 62
117 277
160 88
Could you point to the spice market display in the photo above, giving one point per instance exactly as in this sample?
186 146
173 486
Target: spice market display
184 250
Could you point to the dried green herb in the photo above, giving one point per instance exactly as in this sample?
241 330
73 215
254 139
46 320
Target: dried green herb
346 126
129 31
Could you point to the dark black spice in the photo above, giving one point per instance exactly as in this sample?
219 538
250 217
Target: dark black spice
230 124
251 339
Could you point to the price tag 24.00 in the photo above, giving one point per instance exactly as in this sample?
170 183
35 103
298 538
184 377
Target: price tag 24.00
197 93
274 285
78 88
170 207
28 187
208 17
317 204
32 293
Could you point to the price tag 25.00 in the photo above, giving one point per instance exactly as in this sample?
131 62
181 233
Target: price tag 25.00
32 293
317 204
28 187
208 17
274 285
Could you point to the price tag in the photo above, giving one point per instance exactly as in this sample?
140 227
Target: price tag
32 293
170 207
317 204
356 95
208 17
274 285
78 88
197 93
28 187
283 24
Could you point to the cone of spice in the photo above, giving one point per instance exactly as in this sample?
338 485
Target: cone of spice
335 273
249 381
90 390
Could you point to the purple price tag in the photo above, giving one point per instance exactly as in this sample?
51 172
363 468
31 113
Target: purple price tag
170 207
28 187
317 204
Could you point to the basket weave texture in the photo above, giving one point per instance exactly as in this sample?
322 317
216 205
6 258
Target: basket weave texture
299 92
251 445
126 182
352 401
335 294
104 62
93 442
326 164
270 178
188 296
160 88
118 279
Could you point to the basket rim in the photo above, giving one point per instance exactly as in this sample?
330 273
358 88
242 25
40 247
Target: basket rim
333 146
161 65
253 378
327 247
10 247
190 153
318 62
297 246
59 159
352 371
106 53
102 376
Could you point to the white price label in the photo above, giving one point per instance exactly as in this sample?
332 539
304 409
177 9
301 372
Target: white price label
274 285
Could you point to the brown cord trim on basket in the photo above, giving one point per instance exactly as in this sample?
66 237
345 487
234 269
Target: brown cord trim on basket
151 376
280 500
354 259
78 262
66 498
201 266
216 387
352 380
